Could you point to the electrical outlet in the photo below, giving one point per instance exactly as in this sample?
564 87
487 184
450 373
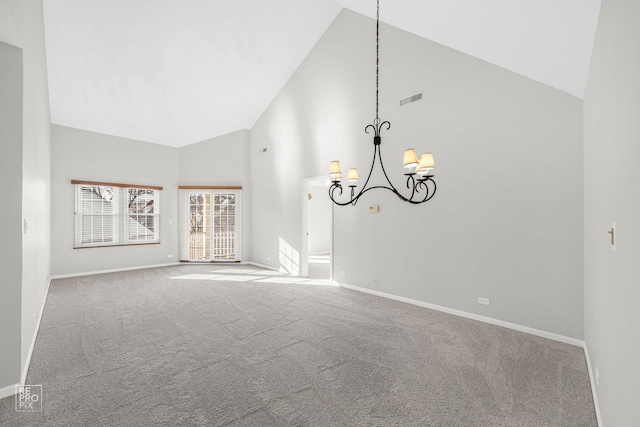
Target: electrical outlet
375 281
343 273
170 256
597 376
484 301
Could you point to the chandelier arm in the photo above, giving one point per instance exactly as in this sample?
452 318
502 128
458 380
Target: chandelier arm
386 122
417 184
434 189
414 189
335 186
428 195
421 184
385 174
354 199
411 183
373 163
384 187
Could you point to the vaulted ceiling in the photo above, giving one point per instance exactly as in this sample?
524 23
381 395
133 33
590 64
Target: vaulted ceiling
176 73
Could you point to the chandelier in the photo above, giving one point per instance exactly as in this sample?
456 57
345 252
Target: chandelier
420 184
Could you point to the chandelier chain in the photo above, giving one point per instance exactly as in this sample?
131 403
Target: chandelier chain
377 57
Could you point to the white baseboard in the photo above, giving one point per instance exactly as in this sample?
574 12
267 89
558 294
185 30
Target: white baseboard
25 370
492 321
255 264
592 380
7 391
114 270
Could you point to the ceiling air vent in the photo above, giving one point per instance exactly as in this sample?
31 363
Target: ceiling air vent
409 100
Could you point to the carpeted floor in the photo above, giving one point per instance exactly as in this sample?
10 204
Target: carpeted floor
320 266
231 346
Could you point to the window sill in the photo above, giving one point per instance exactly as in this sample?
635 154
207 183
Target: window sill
116 245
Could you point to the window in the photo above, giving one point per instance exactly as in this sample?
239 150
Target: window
108 214
141 208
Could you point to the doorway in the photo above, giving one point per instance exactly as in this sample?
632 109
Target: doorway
317 226
210 225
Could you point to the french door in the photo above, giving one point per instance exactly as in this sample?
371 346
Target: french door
210 224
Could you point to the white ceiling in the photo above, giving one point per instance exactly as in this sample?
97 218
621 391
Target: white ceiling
547 40
176 73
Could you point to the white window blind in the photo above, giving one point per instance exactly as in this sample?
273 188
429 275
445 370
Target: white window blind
109 214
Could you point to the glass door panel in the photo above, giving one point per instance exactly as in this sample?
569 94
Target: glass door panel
210 225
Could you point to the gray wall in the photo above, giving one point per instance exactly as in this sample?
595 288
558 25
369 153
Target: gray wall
507 221
222 161
611 153
83 155
10 215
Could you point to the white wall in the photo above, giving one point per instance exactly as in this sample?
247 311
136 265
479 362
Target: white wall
36 189
88 156
11 214
319 219
83 155
22 24
222 161
611 152
507 221
8 30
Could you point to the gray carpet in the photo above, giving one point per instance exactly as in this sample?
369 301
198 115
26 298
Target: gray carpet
320 266
218 346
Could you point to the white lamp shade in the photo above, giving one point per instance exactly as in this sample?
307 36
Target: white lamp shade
410 158
352 176
426 163
334 170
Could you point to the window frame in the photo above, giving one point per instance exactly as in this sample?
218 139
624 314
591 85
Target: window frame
155 215
122 215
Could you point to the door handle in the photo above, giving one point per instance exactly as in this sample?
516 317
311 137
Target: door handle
612 233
